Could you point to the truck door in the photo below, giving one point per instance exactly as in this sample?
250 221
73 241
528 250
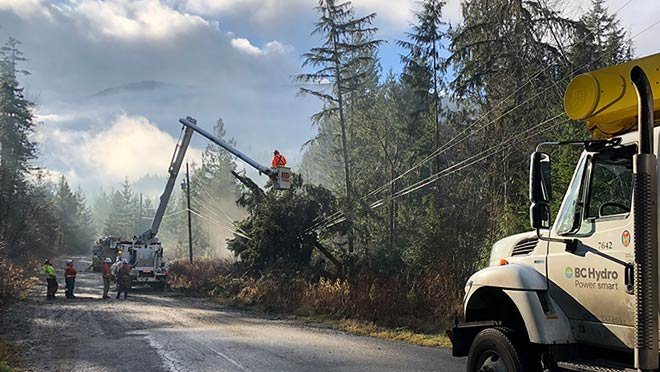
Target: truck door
587 279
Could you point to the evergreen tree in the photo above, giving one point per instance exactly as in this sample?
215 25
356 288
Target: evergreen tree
507 57
601 41
101 209
123 219
86 229
77 231
424 68
347 43
16 147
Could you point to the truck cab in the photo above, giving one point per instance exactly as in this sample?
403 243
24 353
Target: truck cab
563 297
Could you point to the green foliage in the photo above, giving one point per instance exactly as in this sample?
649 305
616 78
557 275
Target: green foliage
74 219
601 40
344 64
37 218
123 219
279 223
213 194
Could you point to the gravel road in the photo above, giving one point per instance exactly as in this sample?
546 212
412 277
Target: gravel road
155 331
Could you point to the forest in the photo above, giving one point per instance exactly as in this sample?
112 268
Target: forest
409 181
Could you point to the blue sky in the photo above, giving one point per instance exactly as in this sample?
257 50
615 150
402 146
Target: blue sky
207 58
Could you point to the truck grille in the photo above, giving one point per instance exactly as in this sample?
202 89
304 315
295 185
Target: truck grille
525 247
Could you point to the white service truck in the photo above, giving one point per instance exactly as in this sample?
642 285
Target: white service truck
145 252
580 293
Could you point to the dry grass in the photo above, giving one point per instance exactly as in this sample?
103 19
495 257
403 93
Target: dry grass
412 307
15 282
400 334
8 356
198 276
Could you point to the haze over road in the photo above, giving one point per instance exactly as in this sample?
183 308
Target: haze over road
154 331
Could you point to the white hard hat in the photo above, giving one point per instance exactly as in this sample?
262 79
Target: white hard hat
124 261
69 262
107 260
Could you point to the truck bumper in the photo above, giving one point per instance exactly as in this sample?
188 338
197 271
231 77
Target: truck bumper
462 335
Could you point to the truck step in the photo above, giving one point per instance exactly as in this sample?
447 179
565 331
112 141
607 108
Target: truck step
594 366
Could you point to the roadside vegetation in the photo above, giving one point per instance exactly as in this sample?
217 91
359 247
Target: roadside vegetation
410 179
9 356
412 176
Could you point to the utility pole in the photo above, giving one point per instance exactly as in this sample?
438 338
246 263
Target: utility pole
140 223
190 247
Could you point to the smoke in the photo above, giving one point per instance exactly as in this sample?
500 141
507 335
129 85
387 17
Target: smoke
219 217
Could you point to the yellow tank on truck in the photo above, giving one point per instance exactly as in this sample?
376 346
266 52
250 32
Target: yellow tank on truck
605 99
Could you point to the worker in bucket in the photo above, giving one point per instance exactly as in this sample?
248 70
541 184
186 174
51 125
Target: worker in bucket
278 160
106 272
124 278
70 279
51 280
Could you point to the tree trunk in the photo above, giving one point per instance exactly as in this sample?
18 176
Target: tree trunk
344 145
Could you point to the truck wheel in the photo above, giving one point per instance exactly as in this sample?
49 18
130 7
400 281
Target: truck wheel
496 350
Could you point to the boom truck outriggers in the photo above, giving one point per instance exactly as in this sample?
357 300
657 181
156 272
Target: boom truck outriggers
580 294
145 252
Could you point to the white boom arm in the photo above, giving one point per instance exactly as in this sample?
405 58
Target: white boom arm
192 123
175 165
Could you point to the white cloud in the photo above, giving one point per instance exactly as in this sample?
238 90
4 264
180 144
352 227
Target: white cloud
393 12
272 47
277 47
131 147
244 45
25 8
122 19
54 118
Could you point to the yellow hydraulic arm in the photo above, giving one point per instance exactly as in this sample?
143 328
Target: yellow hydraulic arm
605 99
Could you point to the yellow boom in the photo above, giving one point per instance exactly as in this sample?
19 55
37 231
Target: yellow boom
605 99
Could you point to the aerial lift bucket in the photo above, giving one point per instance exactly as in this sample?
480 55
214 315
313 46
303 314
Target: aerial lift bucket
282 178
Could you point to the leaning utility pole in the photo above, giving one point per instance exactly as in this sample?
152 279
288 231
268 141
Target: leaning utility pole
190 250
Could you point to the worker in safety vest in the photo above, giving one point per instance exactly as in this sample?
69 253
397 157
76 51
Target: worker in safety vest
278 160
70 278
51 280
107 274
123 278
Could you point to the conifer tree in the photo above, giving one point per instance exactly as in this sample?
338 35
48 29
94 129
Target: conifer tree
423 65
346 43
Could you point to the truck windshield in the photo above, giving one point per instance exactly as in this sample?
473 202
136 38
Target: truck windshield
608 178
610 191
569 214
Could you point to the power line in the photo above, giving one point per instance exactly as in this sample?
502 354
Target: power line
196 213
232 223
474 159
450 144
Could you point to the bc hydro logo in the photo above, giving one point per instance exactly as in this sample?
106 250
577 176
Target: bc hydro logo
569 272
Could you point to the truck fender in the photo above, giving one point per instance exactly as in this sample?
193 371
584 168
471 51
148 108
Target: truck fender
520 289
512 276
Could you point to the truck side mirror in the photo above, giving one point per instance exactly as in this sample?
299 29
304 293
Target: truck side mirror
540 190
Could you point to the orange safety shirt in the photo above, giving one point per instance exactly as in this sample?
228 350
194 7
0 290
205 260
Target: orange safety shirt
278 161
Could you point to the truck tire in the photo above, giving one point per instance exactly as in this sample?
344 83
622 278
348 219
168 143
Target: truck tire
497 350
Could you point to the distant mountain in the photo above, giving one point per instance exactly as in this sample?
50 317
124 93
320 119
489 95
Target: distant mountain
140 86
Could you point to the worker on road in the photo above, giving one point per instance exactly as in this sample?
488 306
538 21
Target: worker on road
278 160
70 278
51 280
107 275
114 269
124 278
